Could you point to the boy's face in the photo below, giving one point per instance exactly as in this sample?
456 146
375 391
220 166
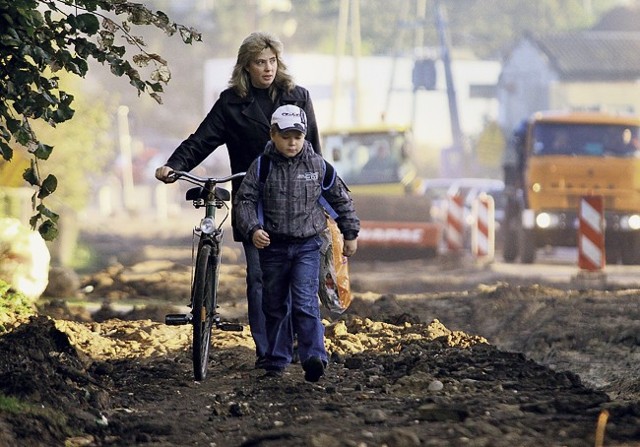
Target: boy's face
288 143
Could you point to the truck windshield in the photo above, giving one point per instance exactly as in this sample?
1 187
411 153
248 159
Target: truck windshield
586 139
367 158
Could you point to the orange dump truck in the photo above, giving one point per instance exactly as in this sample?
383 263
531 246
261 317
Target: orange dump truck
555 159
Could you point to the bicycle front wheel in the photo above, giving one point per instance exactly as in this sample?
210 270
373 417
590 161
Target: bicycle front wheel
204 302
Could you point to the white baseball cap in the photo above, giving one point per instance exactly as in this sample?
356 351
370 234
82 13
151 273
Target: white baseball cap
290 117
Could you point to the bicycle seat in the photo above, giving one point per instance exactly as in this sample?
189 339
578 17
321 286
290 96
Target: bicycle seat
199 193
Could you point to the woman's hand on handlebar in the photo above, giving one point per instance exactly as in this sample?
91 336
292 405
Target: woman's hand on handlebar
164 174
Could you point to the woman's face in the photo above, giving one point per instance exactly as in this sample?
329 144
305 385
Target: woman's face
262 70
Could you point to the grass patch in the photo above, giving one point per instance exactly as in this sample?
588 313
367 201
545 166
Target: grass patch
13 306
15 406
12 405
38 417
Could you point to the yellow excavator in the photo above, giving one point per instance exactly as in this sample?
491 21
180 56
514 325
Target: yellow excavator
376 164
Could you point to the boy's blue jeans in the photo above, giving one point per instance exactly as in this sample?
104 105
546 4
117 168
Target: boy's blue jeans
290 285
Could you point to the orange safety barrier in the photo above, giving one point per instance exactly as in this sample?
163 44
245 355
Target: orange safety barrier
483 239
591 251
455 223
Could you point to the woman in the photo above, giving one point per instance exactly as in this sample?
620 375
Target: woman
240 119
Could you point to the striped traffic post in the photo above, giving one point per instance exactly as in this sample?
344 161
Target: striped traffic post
455 223
483 232
591 251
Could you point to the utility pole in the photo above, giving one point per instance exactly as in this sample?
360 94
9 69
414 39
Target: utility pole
349 9
457 150
418 43
402 20
341 41
356 45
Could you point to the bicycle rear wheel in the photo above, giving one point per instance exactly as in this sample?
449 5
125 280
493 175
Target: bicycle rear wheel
204 302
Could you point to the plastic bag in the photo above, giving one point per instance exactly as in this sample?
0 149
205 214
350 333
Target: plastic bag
334 290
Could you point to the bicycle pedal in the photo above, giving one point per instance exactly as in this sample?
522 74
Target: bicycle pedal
226 326
177 319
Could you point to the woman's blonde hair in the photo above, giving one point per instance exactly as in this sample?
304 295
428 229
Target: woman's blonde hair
249 50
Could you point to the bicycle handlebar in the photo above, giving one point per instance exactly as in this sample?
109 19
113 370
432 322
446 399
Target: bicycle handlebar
195 178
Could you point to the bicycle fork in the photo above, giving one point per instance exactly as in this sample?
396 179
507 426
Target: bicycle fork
182 319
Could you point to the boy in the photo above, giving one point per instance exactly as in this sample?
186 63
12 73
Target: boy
288 239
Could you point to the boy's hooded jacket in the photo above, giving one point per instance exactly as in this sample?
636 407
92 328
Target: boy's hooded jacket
290 198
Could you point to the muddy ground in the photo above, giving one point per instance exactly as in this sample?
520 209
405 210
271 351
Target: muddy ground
431 353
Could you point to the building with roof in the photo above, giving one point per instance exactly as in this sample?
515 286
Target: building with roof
587 69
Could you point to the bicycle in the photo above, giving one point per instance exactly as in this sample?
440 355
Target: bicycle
206 245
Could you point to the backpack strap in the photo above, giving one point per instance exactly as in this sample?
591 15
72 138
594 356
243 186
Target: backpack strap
328 179
263 171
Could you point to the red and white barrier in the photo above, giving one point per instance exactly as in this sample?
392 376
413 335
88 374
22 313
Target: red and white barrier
591 251
483 239
455 223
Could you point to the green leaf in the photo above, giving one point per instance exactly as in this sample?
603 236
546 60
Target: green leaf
46 212
118 68
6 151
49 185
161 19
155 86
137 83
22 136
30 175
118 50
106 39
157 97
81 65
88 23
188 35
48 230
13 125
43 151
33 221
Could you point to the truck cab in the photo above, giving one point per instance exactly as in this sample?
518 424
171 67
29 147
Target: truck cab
555 159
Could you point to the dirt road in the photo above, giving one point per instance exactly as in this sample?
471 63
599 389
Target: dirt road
444 353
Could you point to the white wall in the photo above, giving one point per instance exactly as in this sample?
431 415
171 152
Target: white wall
316 72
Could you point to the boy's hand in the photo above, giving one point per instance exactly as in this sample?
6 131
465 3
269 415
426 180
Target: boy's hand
350 247
163 173
260 239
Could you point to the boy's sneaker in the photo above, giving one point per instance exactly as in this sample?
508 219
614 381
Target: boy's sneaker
261 362
313 369
272 374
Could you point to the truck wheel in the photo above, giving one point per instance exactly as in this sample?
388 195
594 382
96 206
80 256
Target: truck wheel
613 251
510 249
630 252
528 247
